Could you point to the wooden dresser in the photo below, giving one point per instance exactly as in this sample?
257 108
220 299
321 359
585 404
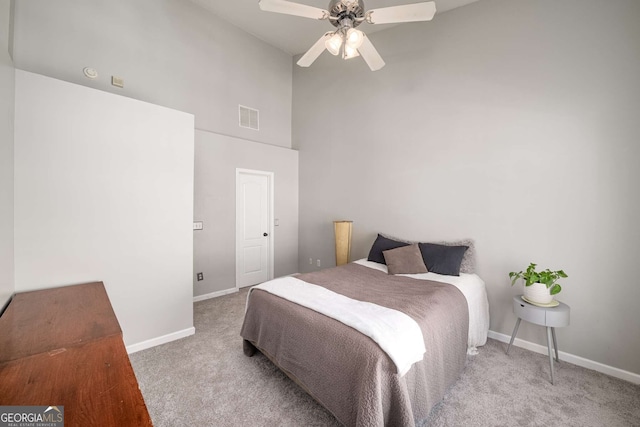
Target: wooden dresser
64 346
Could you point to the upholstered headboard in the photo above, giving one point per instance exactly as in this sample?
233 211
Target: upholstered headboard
468 264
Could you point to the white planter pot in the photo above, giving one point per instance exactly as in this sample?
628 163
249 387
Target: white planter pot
539 293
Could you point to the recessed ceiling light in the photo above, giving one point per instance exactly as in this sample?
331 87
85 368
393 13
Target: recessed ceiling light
90 72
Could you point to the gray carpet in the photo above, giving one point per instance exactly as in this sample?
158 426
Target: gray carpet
206 380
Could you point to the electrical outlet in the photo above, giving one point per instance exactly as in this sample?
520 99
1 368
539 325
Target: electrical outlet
310 261
318 263
200 277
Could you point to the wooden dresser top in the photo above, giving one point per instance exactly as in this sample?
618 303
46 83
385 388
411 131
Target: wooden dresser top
63 346
47 320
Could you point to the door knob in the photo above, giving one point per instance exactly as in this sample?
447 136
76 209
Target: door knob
265 234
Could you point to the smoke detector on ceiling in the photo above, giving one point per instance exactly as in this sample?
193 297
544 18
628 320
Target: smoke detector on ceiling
89 72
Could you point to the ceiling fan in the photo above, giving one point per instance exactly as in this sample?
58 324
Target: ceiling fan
346 15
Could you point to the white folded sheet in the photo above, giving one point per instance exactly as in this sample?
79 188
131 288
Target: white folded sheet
396 333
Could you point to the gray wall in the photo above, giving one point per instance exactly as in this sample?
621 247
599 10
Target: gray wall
169 52
7 88
176 54
514 123
217 158
98 202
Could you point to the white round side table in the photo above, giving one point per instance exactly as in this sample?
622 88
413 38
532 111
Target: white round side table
550 317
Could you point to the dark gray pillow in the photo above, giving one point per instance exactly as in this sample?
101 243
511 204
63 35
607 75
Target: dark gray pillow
405 260
442 259
468 264
383 244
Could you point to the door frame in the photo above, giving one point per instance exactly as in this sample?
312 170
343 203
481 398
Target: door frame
270 226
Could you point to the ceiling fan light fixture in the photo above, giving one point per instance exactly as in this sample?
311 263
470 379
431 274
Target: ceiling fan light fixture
346 15
349 52
354 38
334 44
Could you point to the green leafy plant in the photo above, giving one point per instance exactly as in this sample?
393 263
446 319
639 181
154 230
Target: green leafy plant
546 277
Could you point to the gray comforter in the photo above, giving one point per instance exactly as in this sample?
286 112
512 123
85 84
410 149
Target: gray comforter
346 371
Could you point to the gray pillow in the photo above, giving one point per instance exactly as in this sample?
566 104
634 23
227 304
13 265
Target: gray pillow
383 244
442 259
468 264
405 260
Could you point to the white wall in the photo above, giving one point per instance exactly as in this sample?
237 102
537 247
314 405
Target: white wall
217 158
104 192
7 88
514 123
169 52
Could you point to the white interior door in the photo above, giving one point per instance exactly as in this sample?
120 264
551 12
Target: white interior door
254 210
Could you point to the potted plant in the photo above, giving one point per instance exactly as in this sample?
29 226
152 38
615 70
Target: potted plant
539 286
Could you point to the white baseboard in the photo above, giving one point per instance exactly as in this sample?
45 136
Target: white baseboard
160 340
571 358
226 291
215 294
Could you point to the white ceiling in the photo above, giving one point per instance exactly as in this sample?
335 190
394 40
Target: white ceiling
294 34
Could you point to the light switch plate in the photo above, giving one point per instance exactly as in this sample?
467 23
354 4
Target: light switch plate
198 225
117 81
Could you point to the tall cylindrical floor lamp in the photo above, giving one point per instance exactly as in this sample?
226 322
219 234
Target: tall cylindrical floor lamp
342 231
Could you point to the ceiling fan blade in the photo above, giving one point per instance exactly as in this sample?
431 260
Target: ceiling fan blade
405 13
370 54
315 51
291 8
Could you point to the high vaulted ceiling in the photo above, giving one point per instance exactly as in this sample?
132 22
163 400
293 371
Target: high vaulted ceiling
293 34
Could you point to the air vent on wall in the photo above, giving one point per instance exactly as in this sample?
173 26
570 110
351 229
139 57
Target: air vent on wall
249 118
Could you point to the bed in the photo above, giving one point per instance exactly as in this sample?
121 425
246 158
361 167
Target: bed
348 371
